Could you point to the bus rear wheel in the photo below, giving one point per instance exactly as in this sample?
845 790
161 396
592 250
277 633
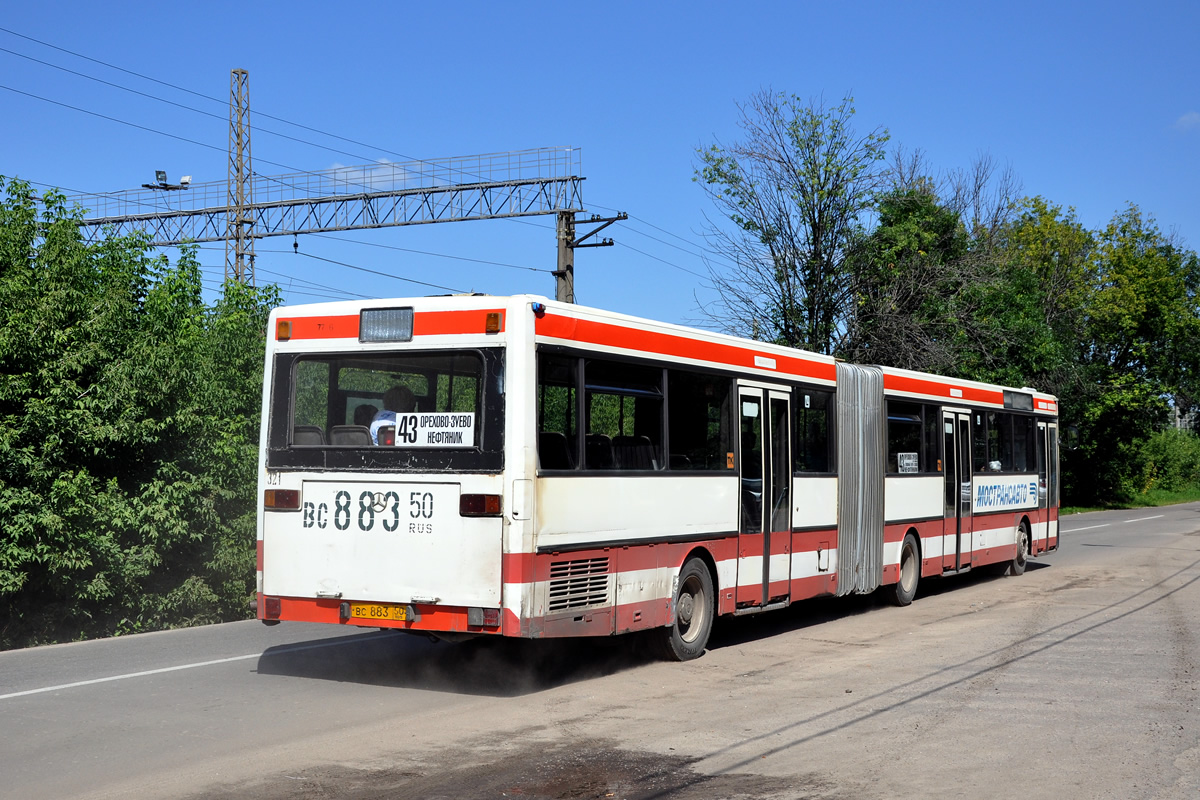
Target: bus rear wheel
905 589
695 606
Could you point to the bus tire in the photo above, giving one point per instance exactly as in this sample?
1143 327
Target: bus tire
694 608
905 588
1017 565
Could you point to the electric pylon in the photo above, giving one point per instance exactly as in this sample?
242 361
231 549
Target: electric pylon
239 234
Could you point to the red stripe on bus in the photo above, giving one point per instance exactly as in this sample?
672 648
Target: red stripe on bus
345 327
932 388
813 586
581 330
529 568
812 541
425 323
258 555
442 323
431 618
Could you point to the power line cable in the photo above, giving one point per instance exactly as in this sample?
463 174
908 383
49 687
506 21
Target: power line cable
663 260
164 133
257 128
428 253
222 102
377 272
201 94
701 254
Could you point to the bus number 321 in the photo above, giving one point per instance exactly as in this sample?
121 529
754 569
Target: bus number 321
385 506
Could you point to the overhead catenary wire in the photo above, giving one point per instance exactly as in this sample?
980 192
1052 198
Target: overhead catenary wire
301 141
161 133
200 94
428 253
222 118
377 272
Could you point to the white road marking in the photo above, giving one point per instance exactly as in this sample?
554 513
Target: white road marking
161 670
1143 519
1088 528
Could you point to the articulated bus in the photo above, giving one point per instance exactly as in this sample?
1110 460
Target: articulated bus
511 466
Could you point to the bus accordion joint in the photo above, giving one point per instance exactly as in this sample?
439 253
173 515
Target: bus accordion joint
479 505
281 499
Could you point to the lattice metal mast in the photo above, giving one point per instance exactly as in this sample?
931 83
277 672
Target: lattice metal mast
384 194
239 195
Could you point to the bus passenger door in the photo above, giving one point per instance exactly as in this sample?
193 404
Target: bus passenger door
1052 485
956 472
1041 529
765 527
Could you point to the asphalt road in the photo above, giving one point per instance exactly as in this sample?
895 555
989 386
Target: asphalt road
1075 680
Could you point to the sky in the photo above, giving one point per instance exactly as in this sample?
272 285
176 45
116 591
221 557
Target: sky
1092 105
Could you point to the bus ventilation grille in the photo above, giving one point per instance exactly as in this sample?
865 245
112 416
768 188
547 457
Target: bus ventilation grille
574 584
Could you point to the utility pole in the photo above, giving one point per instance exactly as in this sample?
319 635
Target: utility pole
564 276
239 238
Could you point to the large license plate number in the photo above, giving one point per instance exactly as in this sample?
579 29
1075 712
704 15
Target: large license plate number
377 611
412 509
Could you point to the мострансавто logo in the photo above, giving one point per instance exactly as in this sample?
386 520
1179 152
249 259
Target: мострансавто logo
1005 495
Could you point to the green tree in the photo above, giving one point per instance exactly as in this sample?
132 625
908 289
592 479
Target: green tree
795 189
128 422
910 279
1139 349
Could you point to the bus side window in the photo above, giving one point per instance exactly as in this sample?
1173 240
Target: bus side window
623 411
904 436
698 420
979 440
813 409
557 412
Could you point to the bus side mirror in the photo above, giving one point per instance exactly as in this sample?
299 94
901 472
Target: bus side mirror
1072 437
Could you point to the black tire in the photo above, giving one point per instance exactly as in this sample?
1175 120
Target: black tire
694 607
1017 565
905 588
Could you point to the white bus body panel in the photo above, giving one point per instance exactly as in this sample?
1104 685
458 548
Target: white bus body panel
441 558
577 510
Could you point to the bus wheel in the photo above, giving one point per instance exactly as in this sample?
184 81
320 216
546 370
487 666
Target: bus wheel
695 607
1017 565
905 589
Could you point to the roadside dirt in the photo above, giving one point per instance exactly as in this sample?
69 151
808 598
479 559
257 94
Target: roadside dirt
581 770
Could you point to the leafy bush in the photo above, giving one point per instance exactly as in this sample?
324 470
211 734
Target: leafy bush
1169 460
128 431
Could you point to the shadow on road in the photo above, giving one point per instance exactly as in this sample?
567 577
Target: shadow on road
513 667
732 631
492 667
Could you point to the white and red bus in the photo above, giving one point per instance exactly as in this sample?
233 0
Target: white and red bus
553 470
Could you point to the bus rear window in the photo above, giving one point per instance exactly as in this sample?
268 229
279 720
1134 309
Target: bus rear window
409 400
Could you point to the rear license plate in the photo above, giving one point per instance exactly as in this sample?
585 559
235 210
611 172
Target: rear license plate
377 611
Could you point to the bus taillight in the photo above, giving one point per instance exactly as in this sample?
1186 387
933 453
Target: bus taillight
281 499
483 617
479 505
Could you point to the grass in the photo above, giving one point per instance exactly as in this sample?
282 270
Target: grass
1150 499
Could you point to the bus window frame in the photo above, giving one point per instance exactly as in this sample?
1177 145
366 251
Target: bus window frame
486 456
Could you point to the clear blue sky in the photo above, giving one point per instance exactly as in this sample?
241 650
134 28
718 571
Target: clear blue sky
1093 105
